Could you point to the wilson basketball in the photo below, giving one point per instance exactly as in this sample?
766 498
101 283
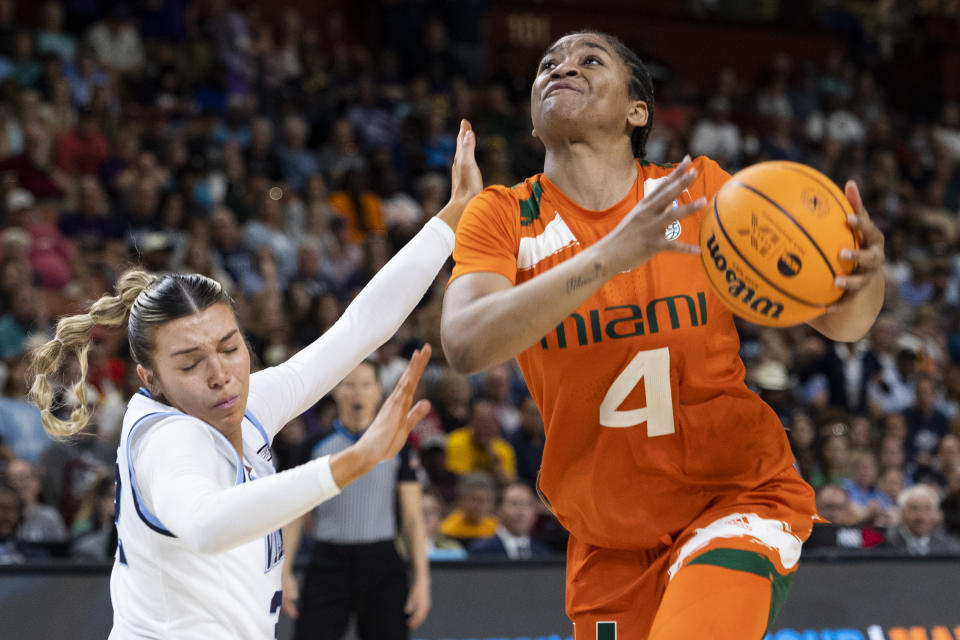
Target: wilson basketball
771 239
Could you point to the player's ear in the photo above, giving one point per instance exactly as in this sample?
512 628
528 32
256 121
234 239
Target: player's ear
637 115
148 378
533 132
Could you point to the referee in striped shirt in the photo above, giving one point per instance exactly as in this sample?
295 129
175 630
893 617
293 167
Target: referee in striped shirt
355 568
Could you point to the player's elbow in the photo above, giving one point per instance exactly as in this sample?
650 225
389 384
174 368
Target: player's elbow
461 352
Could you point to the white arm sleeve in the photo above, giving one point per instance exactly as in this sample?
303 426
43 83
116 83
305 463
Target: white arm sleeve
280 393
188 485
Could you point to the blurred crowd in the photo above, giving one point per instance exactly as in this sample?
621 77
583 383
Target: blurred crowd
289 160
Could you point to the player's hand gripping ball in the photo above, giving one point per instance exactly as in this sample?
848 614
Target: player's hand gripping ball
770 242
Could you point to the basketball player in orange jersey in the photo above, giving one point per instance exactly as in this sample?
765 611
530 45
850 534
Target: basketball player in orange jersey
675 481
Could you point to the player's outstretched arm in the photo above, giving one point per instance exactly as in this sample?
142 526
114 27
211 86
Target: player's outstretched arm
184 489
487 320
280 393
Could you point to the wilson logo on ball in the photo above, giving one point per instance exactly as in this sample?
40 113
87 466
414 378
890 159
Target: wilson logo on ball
741 292
789 264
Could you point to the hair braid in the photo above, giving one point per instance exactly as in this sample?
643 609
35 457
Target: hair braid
74 332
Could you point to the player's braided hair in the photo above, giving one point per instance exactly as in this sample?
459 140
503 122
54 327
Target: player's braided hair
151 300
641 85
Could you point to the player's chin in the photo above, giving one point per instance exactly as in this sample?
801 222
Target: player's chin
563 108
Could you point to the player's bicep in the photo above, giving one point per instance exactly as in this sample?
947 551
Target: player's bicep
463 292
474 286
487 236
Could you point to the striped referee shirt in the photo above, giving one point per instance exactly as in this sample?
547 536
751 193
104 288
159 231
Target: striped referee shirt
366 509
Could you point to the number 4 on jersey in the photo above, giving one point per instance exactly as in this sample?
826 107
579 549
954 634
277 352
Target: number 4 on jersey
653 367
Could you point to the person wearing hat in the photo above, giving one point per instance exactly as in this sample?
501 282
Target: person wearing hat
433 458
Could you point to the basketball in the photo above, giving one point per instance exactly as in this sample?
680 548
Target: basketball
771 239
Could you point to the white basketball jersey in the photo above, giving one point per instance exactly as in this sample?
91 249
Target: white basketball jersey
162 589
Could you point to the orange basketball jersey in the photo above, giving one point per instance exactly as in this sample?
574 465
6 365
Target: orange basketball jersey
647 416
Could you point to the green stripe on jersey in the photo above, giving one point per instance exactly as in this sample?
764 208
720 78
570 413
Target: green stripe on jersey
530 208
606 631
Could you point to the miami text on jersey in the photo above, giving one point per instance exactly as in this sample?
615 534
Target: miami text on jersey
627 320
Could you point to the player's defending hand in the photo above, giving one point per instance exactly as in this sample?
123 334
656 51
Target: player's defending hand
642 232
389 430
465 178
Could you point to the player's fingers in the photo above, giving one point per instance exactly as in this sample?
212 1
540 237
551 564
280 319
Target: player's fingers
682 247
290 607
853 282
852 192
868 235
672 187
411 375
417 413
865 259
417 618
679 179
464 141
672 213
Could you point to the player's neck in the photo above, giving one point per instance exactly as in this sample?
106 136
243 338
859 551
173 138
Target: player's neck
594 175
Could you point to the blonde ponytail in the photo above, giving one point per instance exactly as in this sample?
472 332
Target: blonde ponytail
74 332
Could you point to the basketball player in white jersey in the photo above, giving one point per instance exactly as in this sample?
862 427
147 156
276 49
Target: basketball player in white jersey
199 506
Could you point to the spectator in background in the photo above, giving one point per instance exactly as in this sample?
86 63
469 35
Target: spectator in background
116 41
26 315
845 528
803 435
297 163
926 424
358 206
479 446
93 225
33 167
888 387
11 512
433 457
835 453
834 505
891 483
865 497
342 153
948 458
51 37
84 149
454 401
237 259
95 537
473 518
716 135
517 514
20 426
268 231
22 65
527 441
39 523
260 157
498 390
439 546
917 534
